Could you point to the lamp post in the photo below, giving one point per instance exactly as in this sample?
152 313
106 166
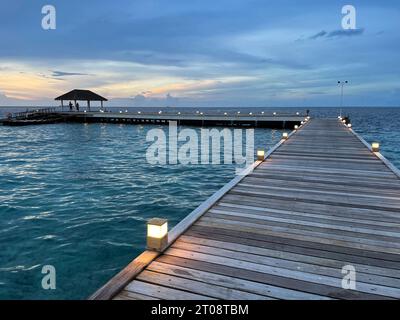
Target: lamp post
341 83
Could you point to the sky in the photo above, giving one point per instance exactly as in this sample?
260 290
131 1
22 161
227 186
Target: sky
254 53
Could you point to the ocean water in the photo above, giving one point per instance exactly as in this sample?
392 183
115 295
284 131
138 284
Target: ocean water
77 197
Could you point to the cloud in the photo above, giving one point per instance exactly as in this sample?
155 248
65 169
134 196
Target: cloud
346 33
337 33
320 34
65 74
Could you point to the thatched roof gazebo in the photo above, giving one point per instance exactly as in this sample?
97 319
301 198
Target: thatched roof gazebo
81 95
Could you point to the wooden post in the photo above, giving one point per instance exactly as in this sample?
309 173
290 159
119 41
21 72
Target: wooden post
62 105
88 104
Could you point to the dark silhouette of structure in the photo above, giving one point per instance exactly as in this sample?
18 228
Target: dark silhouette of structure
81 95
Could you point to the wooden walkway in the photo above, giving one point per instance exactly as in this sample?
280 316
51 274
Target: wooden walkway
320 201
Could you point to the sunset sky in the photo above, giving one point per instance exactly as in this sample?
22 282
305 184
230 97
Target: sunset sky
201 53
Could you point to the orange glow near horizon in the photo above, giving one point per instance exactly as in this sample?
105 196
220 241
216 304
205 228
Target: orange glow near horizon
26 86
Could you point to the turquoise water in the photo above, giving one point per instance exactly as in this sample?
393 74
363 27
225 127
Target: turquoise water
77 197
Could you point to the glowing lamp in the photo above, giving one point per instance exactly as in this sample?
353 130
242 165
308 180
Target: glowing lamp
120 111
297 113
274 113
302 122
262 112
159 112
157 234
225 113
349 125
375 146
260 155
139 112
285 136
251 113
296 127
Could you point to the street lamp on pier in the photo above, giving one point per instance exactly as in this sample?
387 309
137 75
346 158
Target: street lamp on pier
341 84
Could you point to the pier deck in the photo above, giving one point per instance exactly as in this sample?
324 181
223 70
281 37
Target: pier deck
319 201
52 115
230 119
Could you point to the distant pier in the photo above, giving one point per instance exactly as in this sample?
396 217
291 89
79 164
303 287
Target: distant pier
228 119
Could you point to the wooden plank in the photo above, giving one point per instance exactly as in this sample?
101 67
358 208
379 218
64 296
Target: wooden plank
318 257
233 283
310 266
162 292
286 273
277 281
331 249
197 287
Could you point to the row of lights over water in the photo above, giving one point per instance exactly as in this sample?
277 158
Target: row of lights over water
202 113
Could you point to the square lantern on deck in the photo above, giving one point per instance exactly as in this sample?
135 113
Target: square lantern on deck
157 234
375 146
260 155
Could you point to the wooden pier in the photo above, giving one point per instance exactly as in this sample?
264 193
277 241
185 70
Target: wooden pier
320 201
226 119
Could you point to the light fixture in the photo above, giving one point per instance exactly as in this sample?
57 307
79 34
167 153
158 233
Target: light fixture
375 146
262 112
297 113
238 112
225 113
274 113
157 234
339 117
197 111
139 112
250 113
201 113
302 122
179 112
349 125
84 111
126 110
120 111
296 127
285 135
159 112
344 121
260 155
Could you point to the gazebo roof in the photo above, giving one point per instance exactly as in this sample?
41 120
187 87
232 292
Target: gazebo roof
81 95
